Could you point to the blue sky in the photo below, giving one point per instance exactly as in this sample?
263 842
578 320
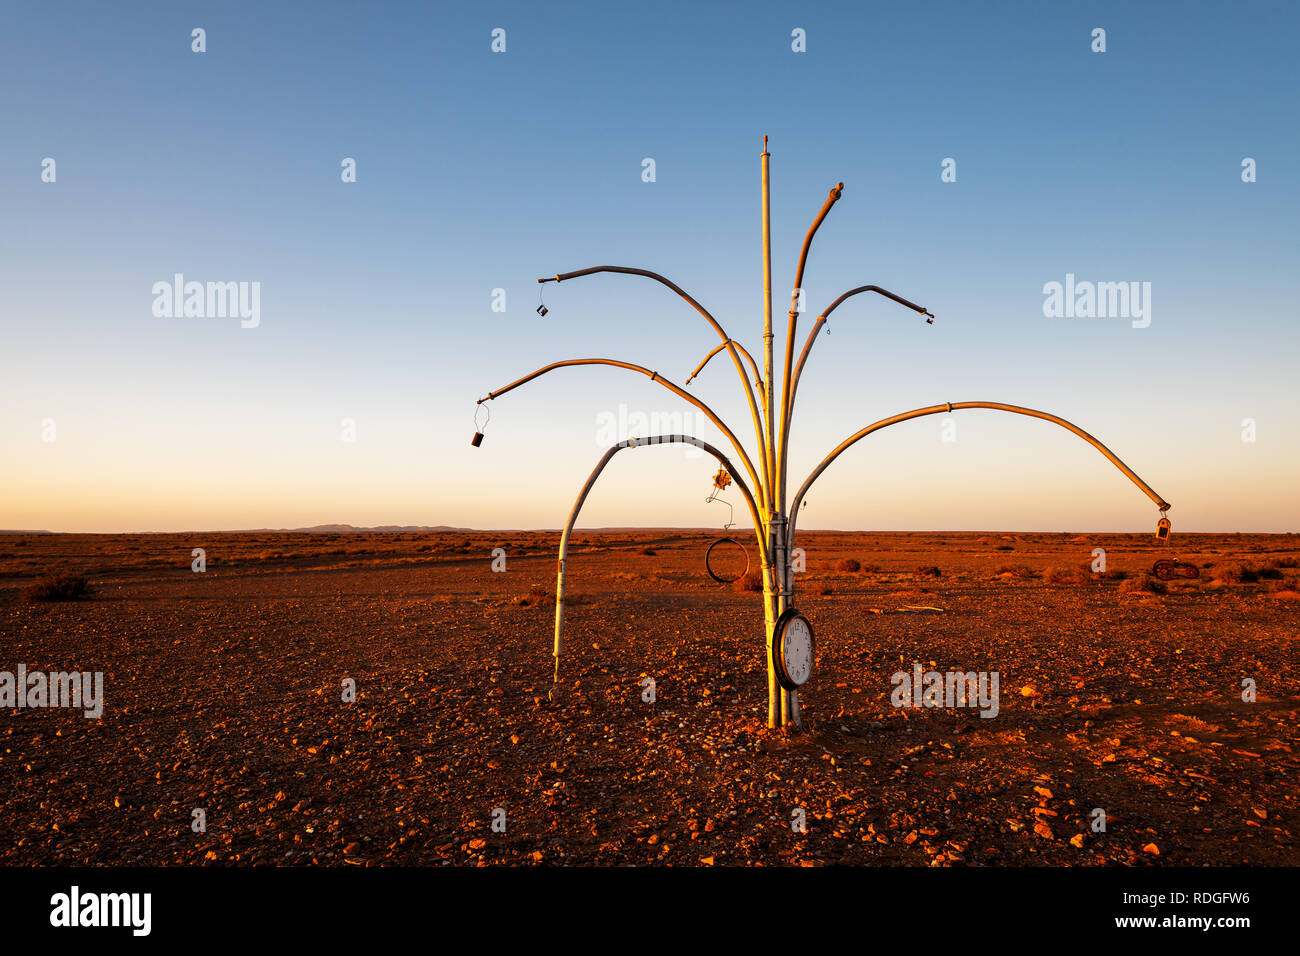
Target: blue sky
479 170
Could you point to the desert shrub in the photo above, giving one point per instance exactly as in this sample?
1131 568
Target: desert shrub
749 581
1059 576
927 572
1144 585
63 586
852 565
539 596
1015 570
1005 547
1287 563
1269 573
647 550
1236 573
823 588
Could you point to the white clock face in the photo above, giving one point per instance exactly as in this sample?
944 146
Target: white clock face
797 650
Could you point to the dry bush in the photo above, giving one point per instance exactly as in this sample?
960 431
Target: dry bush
823 588
927 572
63 586
852 565
1014 570
539 596
1237 573
749 581
1056 575
647 550
1147 585
1086 573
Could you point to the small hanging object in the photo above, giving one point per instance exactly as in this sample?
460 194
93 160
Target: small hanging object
725 559
1163 527
541 306
478 428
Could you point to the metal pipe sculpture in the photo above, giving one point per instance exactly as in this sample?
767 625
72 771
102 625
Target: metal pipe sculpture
786 634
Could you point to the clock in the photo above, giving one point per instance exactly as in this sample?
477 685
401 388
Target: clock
793 649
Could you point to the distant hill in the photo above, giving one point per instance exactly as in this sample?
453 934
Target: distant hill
352 529
386 528
316 529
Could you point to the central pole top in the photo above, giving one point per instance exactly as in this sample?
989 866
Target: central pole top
765 145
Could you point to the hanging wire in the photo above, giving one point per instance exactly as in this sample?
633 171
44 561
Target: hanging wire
716 495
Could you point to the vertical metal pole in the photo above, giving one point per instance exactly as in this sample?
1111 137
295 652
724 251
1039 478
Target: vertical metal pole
767 326
781 558
772 574
775 711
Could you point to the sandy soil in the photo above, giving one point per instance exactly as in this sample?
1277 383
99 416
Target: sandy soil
223 692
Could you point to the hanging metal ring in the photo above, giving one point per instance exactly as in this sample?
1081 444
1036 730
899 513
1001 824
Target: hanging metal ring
709 567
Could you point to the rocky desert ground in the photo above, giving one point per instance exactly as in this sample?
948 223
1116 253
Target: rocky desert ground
224 692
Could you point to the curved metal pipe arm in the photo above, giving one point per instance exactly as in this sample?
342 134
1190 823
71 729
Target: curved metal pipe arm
727 340
758 379
956 406
654 377
792 378
831 199
879 291
586 489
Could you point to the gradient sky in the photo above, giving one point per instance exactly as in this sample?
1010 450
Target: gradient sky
479 171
